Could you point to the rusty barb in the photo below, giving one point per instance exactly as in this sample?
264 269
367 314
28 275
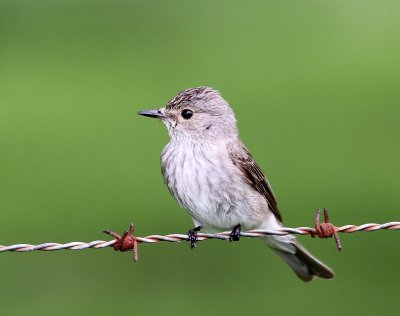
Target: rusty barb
326 230
125 242
130 242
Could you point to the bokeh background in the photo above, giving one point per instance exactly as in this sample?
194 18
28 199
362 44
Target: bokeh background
315 86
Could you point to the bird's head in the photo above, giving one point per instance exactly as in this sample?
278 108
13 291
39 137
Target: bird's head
197 114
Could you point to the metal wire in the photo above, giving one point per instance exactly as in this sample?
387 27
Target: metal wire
97 244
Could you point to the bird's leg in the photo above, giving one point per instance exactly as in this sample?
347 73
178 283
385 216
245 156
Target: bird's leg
235 234
192 236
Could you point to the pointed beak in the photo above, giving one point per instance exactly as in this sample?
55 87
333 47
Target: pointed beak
152 113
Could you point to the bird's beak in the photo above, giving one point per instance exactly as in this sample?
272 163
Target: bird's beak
152 113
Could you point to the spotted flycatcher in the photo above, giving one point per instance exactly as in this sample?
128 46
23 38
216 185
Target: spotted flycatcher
213 176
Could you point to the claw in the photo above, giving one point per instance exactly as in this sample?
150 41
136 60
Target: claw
235 234
192 236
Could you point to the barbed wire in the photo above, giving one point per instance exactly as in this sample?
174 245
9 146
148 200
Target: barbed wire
257 233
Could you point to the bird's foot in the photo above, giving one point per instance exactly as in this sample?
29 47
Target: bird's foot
125 242
235 234
192 236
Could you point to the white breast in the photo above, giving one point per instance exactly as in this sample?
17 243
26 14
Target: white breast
203 180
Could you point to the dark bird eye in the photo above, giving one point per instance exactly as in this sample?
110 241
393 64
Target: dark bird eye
187 114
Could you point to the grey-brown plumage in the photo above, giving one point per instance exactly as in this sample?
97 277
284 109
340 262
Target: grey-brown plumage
246 163
213 176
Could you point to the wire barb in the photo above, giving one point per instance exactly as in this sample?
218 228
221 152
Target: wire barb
125 242
327 229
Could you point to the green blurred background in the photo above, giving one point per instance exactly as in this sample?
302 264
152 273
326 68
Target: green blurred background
315 86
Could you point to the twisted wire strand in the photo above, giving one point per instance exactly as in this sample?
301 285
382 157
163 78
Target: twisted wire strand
97 244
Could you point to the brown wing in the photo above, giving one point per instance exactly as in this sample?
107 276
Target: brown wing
242 159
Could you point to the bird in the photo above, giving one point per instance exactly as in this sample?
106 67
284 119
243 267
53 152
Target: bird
211 174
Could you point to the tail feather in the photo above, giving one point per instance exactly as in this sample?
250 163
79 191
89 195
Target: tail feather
304 264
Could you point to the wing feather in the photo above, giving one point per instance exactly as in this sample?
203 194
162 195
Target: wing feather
245 162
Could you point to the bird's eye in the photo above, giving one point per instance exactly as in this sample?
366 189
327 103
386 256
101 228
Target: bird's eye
187 114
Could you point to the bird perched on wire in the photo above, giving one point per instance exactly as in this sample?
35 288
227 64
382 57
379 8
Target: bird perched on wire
211 174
